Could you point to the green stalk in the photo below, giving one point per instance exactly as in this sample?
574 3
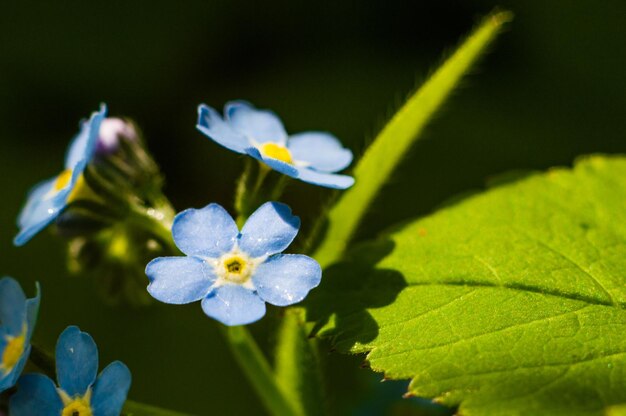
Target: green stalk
249 189
393 142
257 369
297 364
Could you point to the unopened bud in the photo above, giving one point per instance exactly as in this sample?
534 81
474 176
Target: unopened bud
112 130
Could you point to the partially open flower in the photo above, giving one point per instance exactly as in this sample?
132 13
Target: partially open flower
48 199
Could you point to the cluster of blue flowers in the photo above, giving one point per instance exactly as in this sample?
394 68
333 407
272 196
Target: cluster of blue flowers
79 392
232 272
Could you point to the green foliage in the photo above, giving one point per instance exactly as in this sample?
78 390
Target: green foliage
393 142
507 302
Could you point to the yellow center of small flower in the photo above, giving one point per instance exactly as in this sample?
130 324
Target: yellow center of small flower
236 270
235 265
13 351
76 406
276 151
80 188
63 179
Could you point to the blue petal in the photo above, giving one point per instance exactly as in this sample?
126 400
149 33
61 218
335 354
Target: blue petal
7 381
322 151
77 361
33 198
12 306
36 396
110 390
210 123
269 230
208 232
259 126
40 210
84 144
234 305
329 180
286 279
32 310
179 280
277 165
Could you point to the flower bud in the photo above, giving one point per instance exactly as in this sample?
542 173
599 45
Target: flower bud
112 130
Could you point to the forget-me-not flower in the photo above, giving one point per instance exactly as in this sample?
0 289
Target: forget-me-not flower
312 156
48 199
80 392
17 321
234 273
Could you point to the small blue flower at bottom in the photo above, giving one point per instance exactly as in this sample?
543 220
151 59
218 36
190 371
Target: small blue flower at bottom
234 273
79 393
18 316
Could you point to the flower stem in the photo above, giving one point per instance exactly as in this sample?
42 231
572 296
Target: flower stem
43 360
249 190
257 369
279 188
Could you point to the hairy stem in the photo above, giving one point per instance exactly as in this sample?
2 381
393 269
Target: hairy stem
257 369
392 143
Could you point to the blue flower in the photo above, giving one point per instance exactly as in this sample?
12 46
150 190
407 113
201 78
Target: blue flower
47 199
234 273
17 318
312 156
79 393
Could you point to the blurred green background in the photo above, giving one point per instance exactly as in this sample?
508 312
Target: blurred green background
551 89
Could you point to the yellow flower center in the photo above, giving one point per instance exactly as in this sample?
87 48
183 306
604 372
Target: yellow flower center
76 406
13 351
63 179
235 265
236 269
276 151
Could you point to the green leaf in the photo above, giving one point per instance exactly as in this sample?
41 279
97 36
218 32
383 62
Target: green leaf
298 365
509 302
393 142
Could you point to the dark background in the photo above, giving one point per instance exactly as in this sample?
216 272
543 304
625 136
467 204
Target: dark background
552 88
